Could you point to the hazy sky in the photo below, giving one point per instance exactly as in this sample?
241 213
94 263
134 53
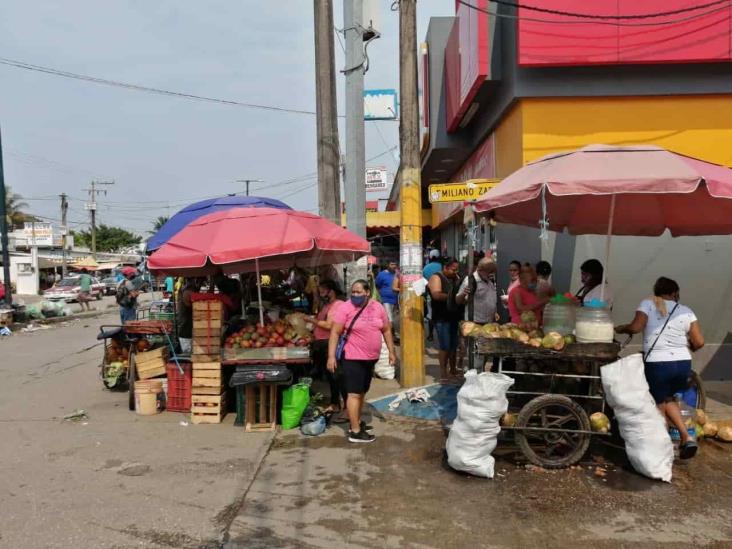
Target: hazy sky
165 152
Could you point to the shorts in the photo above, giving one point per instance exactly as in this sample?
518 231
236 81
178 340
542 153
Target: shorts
665 379
447 335
84 297
355 375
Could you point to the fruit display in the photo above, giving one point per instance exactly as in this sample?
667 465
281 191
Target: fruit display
117 352
528 333
599 422
281 333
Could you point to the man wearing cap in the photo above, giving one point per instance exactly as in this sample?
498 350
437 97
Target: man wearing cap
127 292
433 267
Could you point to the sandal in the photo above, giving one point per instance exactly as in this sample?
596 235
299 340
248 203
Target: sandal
688 450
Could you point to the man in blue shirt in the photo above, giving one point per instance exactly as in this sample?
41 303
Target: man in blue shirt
434 266
384 282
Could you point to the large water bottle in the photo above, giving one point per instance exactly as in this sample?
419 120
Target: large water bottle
688 416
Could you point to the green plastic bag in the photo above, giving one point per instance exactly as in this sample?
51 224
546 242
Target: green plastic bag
294 401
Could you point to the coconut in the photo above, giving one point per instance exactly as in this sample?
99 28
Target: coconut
536 334
535 342
523 337
508 420
475 332
599 422
701 416
725 433
710 429
552 340
570 339
466 328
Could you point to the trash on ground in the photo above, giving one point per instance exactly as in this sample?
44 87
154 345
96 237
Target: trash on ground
76 415
5 331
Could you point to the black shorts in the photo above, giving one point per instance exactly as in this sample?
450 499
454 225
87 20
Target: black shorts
356 375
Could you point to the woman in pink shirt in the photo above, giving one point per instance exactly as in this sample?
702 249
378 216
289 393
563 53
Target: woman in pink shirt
364 323
328 292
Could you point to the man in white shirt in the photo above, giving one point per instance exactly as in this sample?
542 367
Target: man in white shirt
483 289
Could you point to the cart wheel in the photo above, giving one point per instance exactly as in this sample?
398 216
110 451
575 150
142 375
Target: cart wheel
701 396
131 373
553 449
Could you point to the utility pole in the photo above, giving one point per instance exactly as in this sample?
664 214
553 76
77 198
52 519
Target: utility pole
65 230
355 187
329 182
92 207
410 198
247 181
4 233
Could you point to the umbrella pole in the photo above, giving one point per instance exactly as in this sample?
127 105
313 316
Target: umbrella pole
259 293
607 246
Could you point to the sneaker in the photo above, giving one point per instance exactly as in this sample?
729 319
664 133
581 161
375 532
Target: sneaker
361 436
368 428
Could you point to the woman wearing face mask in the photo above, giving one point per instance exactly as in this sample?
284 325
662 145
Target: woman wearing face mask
363 322
670 331
591 274
328 297
524 296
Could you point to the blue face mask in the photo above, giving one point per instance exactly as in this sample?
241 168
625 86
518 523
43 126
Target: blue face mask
358 300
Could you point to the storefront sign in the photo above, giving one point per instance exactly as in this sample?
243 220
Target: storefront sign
38 234
460 192
377 179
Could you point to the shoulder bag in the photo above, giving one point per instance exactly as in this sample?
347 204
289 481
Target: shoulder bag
343 339
645 357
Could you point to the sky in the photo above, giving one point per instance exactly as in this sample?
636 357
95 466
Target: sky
164 152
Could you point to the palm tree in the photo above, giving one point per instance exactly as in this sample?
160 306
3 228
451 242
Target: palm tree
13 206
159 222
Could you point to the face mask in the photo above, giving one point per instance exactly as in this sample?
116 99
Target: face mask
358 300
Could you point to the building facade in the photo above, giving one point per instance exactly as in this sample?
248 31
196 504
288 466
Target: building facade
501 91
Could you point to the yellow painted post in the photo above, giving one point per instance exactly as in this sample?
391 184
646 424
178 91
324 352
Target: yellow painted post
410 198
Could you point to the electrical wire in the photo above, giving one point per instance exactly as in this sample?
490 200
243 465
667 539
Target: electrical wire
147 89
725 6
596 16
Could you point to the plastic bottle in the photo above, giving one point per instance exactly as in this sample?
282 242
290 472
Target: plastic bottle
688 415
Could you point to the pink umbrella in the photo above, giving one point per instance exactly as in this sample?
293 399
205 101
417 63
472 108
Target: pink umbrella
601 189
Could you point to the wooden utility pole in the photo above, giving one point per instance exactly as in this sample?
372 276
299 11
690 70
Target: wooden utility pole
247 181
410 199
4 233
329 183
92 207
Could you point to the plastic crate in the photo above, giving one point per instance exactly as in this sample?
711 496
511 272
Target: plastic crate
179 386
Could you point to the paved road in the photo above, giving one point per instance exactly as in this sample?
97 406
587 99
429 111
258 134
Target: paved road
121 480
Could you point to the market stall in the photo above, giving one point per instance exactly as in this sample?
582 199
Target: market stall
279 336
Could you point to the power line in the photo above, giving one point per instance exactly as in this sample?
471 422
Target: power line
725 5
147 89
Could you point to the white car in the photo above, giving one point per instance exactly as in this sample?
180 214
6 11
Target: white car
67 289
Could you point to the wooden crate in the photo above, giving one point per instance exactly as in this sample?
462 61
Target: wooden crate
261 407
207 364
207 390
208 408
206 331
212 348
205 358
151 364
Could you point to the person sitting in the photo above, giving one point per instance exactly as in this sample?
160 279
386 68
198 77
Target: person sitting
670 331
591 276
523 298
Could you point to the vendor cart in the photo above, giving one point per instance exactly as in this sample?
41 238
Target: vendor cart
554 394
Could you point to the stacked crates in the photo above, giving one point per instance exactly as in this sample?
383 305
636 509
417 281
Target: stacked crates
208 394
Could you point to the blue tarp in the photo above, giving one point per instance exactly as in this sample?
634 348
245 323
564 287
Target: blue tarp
442 405
190 213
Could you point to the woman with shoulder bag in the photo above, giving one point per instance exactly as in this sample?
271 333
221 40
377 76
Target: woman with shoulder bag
670 331
353 349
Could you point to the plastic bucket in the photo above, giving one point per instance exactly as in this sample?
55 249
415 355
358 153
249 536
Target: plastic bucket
148 397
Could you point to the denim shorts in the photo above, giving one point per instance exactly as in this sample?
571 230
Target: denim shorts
665 379
447 335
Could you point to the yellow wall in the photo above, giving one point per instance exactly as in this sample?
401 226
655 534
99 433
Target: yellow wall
509 136
699 126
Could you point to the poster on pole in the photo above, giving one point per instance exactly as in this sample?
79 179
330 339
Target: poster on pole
380 105
377 179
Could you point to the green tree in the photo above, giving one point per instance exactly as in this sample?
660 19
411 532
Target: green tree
13 209
159 222
109 239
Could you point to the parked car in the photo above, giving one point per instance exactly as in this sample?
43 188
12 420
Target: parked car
67 289
110 285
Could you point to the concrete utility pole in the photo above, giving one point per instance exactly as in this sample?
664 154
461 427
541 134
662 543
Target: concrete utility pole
329 182
92 207
65 229
4 233
247 181
355 187
410 198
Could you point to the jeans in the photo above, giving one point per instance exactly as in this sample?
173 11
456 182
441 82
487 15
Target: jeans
127 313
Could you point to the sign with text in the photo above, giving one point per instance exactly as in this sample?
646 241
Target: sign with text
377 179
379 104
38 234
460 192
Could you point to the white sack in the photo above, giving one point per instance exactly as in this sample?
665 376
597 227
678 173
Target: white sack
474 433
382 368
642 426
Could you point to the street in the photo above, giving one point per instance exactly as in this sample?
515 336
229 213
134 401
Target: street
122 480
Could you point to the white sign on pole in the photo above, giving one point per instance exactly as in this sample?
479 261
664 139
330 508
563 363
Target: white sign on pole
379 105
377 179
